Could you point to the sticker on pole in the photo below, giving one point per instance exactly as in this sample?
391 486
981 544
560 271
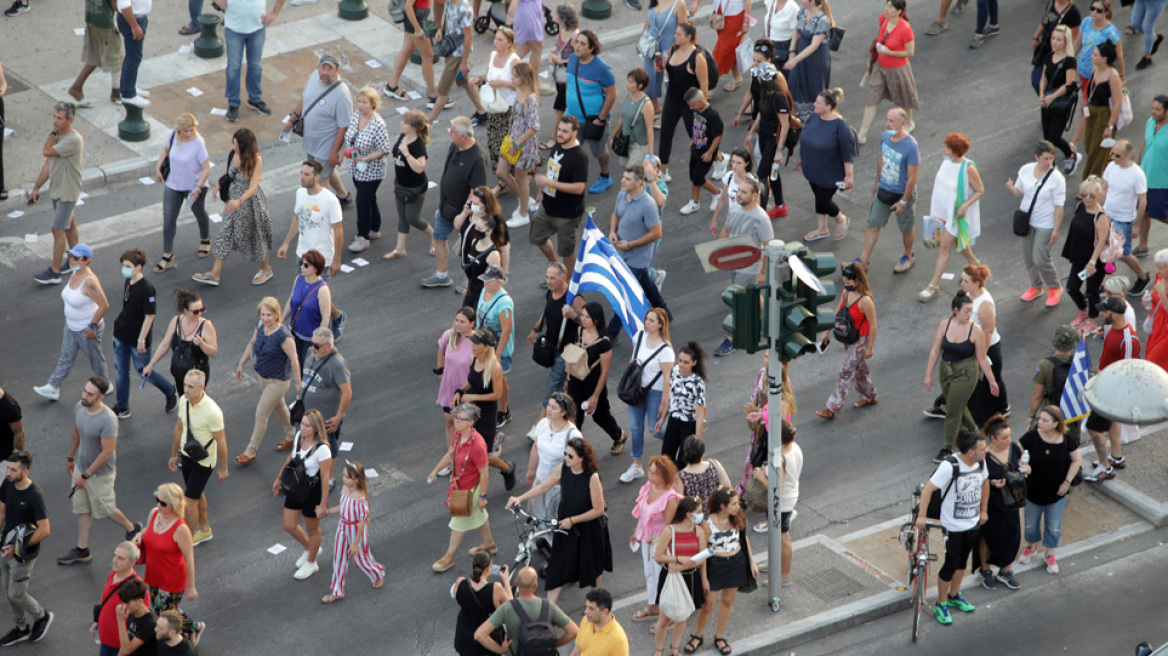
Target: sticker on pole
740 256
804 274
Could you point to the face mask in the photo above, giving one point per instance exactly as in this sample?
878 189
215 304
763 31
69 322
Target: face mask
850 288
698 518
475 233
127 272
477 209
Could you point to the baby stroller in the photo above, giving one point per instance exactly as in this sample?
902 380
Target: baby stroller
497 14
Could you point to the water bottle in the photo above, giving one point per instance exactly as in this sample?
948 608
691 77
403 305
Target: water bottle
775 166
188 201
1025 458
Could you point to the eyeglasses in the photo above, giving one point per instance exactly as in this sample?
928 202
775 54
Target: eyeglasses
463 419
160 502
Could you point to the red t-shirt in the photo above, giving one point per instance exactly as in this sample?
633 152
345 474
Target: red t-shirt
896 40
468 459
107 622
1119 345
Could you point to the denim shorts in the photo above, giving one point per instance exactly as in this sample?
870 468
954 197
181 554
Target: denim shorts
1124 229
1158 204
506 362
442 227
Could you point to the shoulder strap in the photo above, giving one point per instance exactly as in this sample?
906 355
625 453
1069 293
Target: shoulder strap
665 22
319 98
296 315
524 618
315 374
133 575
482 318
1038 189
579 96
640 107
545 608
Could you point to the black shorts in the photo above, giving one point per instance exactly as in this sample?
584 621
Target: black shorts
308 508
1098 423
422 15
698 170
561 102
957 550
785 520
195 477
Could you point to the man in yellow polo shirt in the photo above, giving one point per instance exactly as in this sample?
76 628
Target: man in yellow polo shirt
206 428
600 634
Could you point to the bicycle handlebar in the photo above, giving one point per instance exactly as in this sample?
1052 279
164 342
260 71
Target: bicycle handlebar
522 514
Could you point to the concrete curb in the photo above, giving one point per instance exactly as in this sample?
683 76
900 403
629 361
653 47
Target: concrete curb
1136 501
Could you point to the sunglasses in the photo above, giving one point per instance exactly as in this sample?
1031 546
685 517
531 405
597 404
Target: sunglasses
1098 10
196 312
305 264
569 454
161 502
317 346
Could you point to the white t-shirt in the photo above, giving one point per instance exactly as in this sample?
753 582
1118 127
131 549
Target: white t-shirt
651 368
1123 185
138 7
312 462
780 25
317 214
1053 195
792 467
961 508
551 446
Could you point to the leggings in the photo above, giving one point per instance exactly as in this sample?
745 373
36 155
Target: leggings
1054 125
1074 288
161 600
368 212
410 214
823 202
172 202
766 164
672 111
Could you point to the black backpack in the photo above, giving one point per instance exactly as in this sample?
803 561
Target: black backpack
536 637
845 330
629 389
295 482
934 509
1058 378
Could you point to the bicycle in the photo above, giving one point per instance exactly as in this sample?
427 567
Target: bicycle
533 535
916 543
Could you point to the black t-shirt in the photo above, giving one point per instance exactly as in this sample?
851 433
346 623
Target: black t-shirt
9 414
25 506
406 176
552 318
597 349
143 629
707 126
1050 70
1049 465
464 170
183 648
568 166
1073 18
138 301
769 110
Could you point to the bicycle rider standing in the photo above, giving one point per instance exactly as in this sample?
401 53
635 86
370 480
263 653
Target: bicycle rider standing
964 484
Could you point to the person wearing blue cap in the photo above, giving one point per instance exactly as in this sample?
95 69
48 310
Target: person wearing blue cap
85 308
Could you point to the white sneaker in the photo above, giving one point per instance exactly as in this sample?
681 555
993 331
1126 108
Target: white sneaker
144 93
518 220
48 391
690 208
631 474
137 101
359 244
301 3
302 560
307 570
445 471
762 527
714 202
659 279
374 235
667 178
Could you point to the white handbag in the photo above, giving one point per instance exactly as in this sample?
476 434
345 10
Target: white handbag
675 602
492 100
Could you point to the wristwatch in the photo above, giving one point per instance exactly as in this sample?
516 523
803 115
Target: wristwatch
93 326
85 475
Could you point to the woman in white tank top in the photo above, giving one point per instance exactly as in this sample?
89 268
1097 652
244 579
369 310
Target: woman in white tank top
85 306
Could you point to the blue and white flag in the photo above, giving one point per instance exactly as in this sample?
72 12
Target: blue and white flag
1073 405
600 268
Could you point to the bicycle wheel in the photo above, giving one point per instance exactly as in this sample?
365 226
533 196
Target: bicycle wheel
918 602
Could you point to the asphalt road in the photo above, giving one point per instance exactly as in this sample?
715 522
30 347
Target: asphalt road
859 468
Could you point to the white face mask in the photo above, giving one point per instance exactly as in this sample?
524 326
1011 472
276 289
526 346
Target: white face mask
477 209
127 272
698 518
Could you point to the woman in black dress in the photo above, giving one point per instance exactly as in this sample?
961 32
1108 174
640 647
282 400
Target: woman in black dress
477 598
485 242
1001 535
590 393
484 388
585 553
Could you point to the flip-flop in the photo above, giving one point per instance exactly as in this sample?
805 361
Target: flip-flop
206 279
644 616
814 236
840 233
731 86
393 255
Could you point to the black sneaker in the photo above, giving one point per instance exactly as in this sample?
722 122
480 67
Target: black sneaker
16 9
935 412
434 100
260 106
14 636
1138 288
478 119
134 531
509 477
941 455
1117 464
75 555
232 114
122 414
502 419
1008 580
171 403
41 626
987 579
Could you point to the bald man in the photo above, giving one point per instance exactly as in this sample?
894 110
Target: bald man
507 615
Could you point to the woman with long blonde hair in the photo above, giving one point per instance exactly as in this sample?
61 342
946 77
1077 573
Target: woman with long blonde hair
190 166
312 449
524 131
501 78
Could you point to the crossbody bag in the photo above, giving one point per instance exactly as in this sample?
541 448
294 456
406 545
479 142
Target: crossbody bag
296 407
298 122
1022 219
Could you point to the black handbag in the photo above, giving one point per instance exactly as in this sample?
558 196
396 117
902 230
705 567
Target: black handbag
751 579
408 195
543 352
1012 495
296 407
835 36
295 483
1022 219
298 122
165 168
225 180
193 448
621 142
449 43
629 389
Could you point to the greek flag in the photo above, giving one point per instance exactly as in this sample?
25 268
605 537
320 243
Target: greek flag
1073 405
600 268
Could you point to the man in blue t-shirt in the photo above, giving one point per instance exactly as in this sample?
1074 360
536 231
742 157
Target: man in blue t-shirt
895 191
634 228
590 96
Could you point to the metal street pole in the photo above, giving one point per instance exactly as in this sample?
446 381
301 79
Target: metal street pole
777 272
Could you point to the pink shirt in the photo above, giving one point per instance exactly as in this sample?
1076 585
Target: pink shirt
651 518
457 367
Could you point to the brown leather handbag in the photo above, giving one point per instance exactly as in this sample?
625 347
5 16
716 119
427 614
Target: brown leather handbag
717 22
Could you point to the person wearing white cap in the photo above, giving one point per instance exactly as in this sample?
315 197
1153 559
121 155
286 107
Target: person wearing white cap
85 308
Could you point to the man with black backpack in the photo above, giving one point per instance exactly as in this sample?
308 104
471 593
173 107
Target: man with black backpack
963 485
530 622
1051 375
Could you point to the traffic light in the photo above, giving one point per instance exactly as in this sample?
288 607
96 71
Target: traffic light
820 264
795 320
745 325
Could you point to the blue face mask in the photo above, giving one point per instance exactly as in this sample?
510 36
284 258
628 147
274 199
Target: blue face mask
127 272
698 518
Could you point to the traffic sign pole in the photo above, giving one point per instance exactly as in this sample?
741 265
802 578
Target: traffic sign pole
777 270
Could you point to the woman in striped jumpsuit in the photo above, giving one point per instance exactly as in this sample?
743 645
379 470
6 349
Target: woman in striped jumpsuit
352 539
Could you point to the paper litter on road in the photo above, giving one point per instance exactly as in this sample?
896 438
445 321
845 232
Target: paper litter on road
15 214
345 268
216 218
185 49
218 111
84 195
194 91
30 238
147 180
8 132
431 185
373 63
371 473
277 549
345 446
360 261
402 110
543 74
79 31
413 95
946 276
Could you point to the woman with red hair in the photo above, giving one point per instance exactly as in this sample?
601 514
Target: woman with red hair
954 212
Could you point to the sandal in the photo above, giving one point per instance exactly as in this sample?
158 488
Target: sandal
244 460
379 583
841 232
206 279
814 236
825 414
732 85
394 255
722 646
1130 31
262 276
690 647
863 403
166 262
330 598
644 615
929 294
619 445
484 548
204 248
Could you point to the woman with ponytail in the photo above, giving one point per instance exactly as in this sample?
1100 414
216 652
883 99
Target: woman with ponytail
687 401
